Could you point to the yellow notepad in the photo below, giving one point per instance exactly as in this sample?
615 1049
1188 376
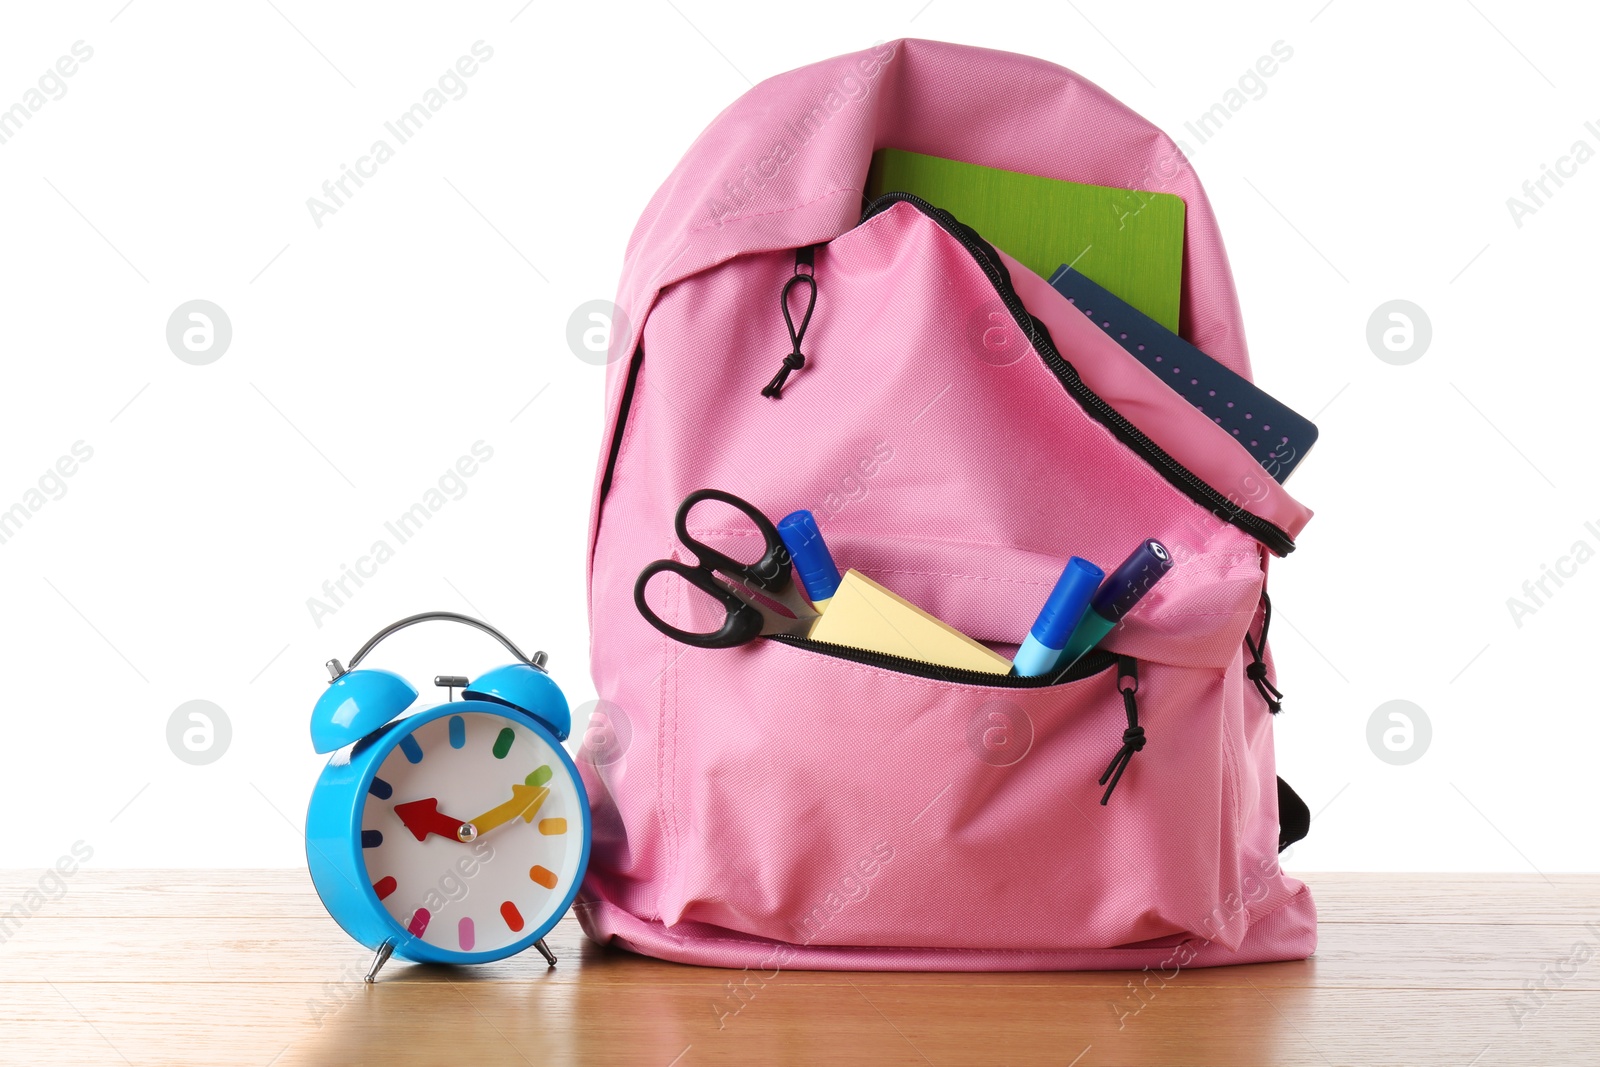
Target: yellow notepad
865 615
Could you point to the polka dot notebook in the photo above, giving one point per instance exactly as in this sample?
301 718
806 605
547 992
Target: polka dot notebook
1275 435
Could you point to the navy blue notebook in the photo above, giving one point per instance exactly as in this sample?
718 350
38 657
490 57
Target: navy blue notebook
1274 434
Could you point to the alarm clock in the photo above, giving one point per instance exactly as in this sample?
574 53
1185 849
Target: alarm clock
456 833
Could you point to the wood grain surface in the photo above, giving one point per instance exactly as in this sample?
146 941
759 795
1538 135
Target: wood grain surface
244 967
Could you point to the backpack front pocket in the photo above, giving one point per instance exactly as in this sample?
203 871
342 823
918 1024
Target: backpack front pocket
968 815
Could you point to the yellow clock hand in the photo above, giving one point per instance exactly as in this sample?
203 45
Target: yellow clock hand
525 801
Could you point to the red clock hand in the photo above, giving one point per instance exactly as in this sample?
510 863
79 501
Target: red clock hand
422 817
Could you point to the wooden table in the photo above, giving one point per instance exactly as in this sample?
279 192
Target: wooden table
244 967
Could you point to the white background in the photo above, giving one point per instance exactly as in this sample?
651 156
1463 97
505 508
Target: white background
430 312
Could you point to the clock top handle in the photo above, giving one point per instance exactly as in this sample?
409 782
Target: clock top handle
537 660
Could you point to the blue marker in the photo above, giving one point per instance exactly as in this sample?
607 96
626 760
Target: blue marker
813 563
1058 618
1126 587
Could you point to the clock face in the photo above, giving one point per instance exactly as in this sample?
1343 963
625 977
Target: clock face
473 832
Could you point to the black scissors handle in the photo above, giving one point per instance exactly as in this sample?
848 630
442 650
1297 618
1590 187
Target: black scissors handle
769 574
742 624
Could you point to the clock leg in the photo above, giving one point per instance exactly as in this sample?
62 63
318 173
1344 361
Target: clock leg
544 950
385 950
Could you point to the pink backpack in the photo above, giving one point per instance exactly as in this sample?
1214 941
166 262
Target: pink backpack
959 430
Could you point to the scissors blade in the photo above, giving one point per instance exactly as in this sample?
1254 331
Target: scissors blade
799 626
795 603
772 622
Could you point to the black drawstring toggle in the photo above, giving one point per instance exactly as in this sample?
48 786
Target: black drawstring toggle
795 359
1256 669
1133 737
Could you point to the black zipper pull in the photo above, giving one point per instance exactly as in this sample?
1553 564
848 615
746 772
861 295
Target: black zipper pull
1133 736
803 257
1256 669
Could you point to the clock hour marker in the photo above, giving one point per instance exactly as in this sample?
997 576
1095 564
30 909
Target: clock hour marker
413 751
458 731
384 886
419 922
371 838
540 776
381 789
544 876
552 826
502 743
513 917
465 935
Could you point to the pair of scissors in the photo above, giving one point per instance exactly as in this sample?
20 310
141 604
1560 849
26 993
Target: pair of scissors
733 584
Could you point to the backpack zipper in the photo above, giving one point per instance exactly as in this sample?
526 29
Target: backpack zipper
1133 738
621 424
1269 534
1092 663
1256 669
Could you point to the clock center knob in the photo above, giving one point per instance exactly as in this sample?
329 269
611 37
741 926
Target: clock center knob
467 833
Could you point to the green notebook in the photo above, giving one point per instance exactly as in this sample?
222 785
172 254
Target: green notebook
1129 241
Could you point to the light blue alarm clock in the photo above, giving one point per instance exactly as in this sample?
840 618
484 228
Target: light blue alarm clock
457 833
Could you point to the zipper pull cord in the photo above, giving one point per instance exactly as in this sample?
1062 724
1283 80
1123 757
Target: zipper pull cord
803 257
1256 670
1133 736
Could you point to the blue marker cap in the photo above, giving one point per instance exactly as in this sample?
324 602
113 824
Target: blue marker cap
1042 647
1067 602
1130 582
819 575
